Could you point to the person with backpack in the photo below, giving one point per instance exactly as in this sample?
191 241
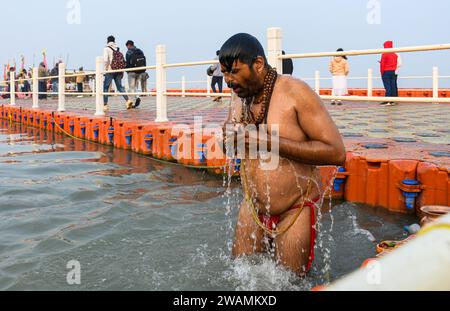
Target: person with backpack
135 59
217 78
114 60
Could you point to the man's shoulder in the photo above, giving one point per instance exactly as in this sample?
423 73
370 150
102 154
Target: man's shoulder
297 90
290 84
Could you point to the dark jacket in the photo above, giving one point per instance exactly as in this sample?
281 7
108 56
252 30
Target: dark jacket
288 66
54 72
130 52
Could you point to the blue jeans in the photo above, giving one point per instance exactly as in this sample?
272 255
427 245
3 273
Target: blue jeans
109 77
55 87
219 82
390 83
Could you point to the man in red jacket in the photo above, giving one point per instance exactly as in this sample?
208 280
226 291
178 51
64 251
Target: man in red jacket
389 64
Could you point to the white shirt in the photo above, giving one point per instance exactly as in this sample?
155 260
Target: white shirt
108 55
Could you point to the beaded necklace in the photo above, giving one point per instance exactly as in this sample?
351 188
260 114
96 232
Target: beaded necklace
269 85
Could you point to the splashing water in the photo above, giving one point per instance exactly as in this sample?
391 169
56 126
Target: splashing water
110 209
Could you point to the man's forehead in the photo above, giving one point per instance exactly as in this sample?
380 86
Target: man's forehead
236 64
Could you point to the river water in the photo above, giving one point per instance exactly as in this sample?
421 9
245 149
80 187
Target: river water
136 224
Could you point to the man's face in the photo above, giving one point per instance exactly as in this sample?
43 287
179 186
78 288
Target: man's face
242 79
129 46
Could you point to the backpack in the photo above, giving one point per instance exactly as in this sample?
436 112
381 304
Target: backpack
137 60
118 61
210 71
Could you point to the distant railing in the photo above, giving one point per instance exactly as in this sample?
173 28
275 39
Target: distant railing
275 58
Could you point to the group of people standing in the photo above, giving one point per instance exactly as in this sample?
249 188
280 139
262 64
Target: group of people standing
53 78
339 69
389 65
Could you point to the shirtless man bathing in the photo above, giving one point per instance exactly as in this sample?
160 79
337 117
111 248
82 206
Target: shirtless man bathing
280 203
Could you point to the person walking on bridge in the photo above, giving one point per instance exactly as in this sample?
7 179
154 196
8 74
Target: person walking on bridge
114 60
135 59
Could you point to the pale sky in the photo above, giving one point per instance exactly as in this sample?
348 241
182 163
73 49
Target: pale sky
194 30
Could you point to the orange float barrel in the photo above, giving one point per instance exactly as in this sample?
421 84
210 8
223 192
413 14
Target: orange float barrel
36 119
337 191
435 185
402 174
93 128
163 142
355 190
81 127
136 142
70 124
128 136
123 134
147 139
24 119
60 121
106 135
377 182
51 121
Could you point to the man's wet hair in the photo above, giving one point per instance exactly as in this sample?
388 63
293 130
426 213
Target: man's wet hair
243 47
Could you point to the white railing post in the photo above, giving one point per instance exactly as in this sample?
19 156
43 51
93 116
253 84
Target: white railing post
98 85
274 48
12 88
317 82
435 82
161 84
61 87
370 82
183 86
35 88
208 85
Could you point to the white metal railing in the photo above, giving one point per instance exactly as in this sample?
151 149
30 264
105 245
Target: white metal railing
422 48
275 57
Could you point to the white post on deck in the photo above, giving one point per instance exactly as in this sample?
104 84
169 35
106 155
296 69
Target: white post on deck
275 48
370 82
435 82
12 88
208 85
183 86
61 87
161 86
317 82
35 88
98 84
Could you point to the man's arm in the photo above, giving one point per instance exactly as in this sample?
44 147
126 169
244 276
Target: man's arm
325 145
399 61
128 60
106 59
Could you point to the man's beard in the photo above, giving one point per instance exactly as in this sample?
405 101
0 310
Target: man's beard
251 91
